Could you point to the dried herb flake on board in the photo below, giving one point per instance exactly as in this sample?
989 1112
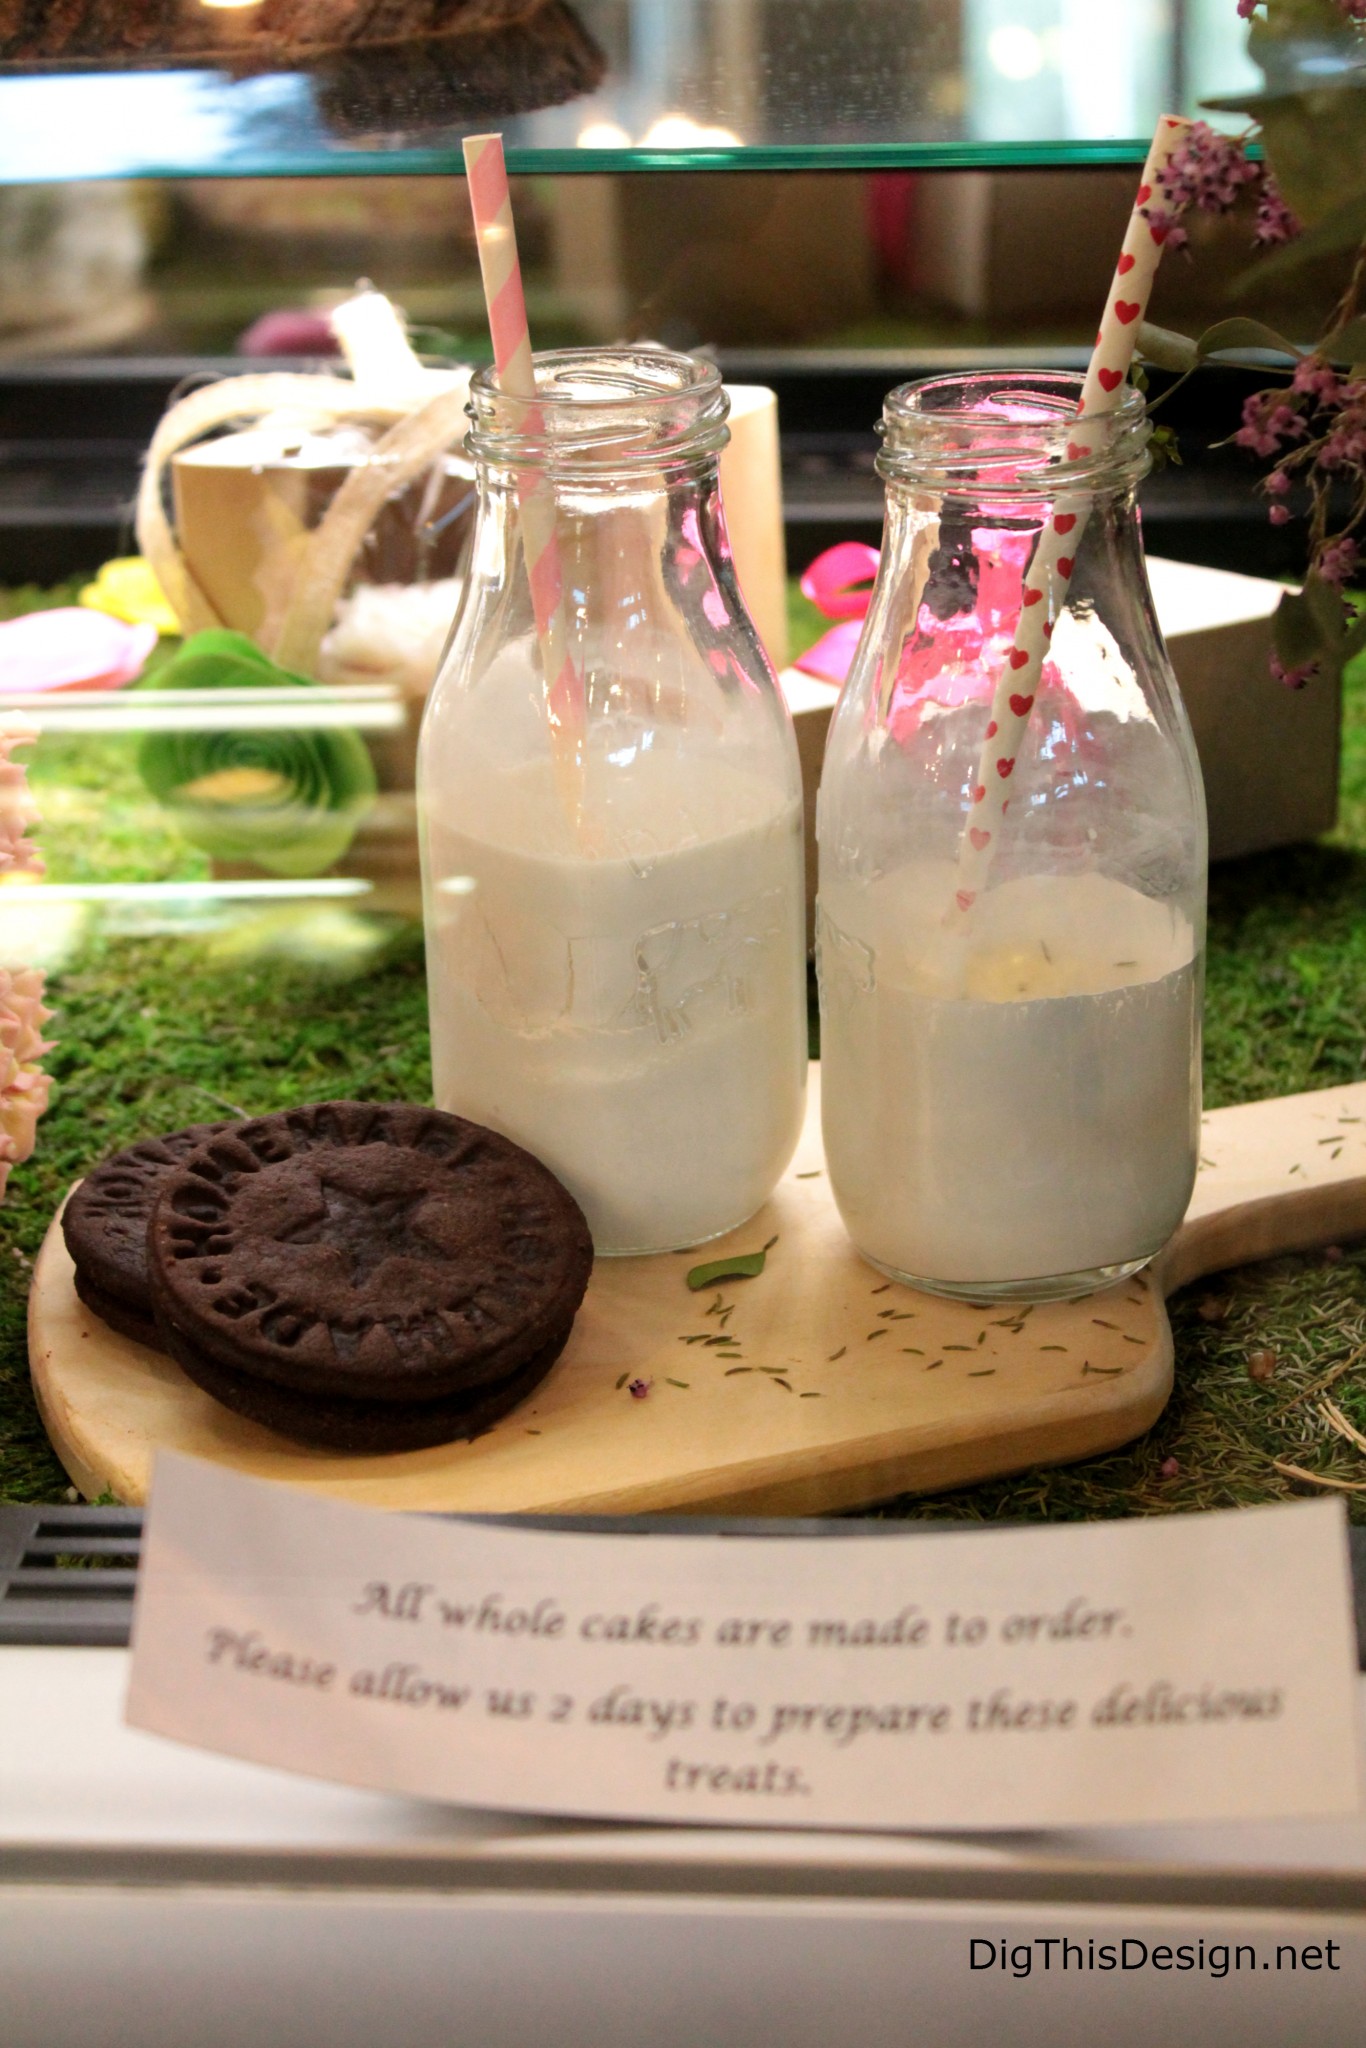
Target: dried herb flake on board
739 1266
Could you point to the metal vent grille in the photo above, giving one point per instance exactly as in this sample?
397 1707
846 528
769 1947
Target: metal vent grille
67 1574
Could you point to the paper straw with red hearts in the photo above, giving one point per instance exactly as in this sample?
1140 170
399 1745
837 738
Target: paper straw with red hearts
1046 578
496 237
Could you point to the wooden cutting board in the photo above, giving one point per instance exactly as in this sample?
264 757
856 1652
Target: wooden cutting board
838 1389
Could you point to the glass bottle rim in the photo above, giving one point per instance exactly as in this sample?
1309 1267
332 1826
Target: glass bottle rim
602 411
1009 434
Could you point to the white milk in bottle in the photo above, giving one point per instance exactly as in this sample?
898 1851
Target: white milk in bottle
636 1020
1018 1101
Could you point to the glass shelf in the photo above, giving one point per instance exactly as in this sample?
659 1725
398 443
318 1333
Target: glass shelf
681 85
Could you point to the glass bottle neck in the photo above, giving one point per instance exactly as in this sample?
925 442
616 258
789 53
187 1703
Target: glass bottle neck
1011 439
631 419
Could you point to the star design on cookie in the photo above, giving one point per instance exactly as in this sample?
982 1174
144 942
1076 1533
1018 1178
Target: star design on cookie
365 1229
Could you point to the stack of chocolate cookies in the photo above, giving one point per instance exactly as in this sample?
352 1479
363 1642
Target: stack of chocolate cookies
356 1276
105 1225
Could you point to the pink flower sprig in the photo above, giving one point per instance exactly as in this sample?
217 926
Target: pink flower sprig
1339 561
1275 221
1269 424
1207 174
1316 428
24 1087
1294 678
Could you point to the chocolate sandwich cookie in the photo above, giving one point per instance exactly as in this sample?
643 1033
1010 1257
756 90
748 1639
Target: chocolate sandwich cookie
367 1252
105 1227
361 1426
117 1314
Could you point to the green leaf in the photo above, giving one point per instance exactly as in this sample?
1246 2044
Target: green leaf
1240 333
1347 345
1169 350
739 1266
1164 447
1178 352
1314 625
1327 609
1295 632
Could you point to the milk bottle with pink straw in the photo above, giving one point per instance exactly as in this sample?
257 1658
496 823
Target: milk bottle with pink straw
610 795
1012 843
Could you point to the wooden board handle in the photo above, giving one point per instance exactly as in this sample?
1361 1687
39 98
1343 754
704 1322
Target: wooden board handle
1278 1176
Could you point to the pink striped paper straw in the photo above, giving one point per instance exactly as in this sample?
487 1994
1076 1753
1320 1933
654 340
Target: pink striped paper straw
496 236
1045 587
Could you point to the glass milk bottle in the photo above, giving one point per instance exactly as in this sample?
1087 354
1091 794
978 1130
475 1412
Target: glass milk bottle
1011 1090
612 868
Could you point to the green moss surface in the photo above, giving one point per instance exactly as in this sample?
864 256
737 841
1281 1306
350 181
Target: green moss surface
302 1003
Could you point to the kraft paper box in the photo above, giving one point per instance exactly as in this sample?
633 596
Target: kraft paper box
241 496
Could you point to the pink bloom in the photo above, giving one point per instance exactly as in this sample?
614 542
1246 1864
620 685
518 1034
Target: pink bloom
1293 678
1317 379
1258 440
1278 483
1164 223
1206 175
1337 561
1286 422
1267 421
1276 222
638 1389
1342 450
1279 515
1207 172
1344 445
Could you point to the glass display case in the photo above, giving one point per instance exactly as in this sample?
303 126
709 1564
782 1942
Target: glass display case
223 897
830 196
612 85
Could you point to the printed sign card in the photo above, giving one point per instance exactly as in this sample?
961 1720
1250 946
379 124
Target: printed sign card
1182 1668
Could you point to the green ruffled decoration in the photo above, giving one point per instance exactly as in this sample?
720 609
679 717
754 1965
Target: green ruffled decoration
290 801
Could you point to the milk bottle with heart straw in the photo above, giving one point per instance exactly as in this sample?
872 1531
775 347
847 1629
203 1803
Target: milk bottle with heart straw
1012 840
1010 979
612 863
